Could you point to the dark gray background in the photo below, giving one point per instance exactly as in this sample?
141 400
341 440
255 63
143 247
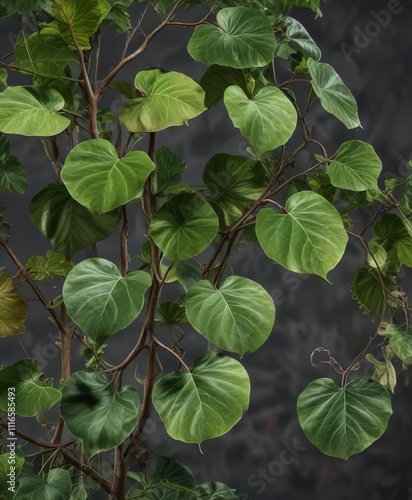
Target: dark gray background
310 312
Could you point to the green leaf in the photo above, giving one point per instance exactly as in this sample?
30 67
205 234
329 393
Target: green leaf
169 166
125 88
79 492
184 226
92 397
320 184
99 180
170 100
267 120
118 15
188 272
235 182
400 341
377 255
384 373
57 486
205 403
356 167
77 18
299 40
13 307
367 290
5 469
49 266
344 421
217 79
395 238
334 96
69 225
309 239
23 6
244 38
13 177
237 317
43 55
215 491
3 79
100 300
32 395
32 111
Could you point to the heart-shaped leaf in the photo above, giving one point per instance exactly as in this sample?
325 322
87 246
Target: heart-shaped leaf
13 307
267 120
184 226
170 99
356 167
237 317
100 300
368 292
57 486
309 238
334 95
92 397
169 166
67 224
344 421
299 40
215 395
13 177
32 395
32 111
217 79
99 180
244 38
400 341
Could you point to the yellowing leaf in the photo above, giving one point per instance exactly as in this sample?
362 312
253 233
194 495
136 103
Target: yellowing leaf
13 307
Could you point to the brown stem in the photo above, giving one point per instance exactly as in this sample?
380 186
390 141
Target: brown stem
124 235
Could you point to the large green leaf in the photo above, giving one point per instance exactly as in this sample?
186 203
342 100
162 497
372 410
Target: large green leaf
9 7
244 38
344 421
13 177
7 494
78 19
13 307
234 182
238 316
32 394
205 403
356 167
267 120
49 266
92 397
57 486
217 79
400 341
99 180
68 225
43 55
309 238
170 99
184 226
334 95
100 300
169 167
32 111
299 40
368 289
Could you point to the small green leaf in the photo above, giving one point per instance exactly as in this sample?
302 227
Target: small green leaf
57 486
170 100
99 180
309 239
32 395
13 177
237 317
13 307
400 341
377 255
384 373
299 40
100 300
356 167
367 290
69 225
395 238
32 111
215 491
217 79
188 272
344 421
334 95
244 38
92 397
184 226
205 403
49 266
235 182
125 88
267 120
43 55
169 166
